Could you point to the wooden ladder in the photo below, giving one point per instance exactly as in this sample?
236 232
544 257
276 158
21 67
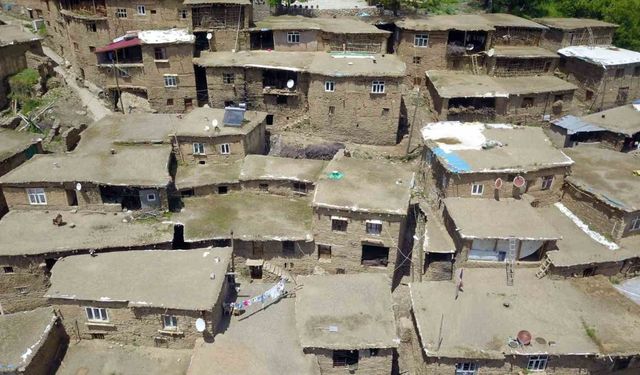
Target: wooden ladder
475 69
511 260
544 267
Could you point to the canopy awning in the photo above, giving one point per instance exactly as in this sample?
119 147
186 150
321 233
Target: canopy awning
119 45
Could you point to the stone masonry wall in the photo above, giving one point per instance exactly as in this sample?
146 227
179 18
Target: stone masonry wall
431 57
301 261
352 113
377 365
24 288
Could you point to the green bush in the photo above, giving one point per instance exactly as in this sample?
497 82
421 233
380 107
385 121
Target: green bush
21 85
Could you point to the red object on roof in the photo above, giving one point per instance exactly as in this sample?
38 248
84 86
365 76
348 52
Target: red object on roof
120 44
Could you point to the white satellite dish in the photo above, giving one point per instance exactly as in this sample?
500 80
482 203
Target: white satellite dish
209 36
290 83
214 123
200 325
78 186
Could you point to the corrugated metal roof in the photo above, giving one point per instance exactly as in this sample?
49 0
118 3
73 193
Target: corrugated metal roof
575 125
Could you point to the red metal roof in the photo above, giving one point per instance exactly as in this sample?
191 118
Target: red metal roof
120 44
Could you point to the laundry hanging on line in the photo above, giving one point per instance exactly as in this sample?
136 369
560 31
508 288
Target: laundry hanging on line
272 293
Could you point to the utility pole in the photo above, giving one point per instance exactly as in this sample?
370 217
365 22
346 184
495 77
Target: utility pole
115 74
413 120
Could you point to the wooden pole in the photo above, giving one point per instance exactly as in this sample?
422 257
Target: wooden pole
415 111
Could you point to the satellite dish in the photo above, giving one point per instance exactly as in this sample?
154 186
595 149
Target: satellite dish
214 123
78 186
209 36
290 83
200 325
498 183
519 181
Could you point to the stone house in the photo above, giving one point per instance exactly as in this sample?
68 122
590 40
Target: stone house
533 326
219 135
104 180
15 149
31 245
282 176
360 210
606 76
510 61
33 342
565 32
347 322
303 34
523 99
271 235
494 161
157 297
602 191
14 46
195 179
223 20
154 65
486 230
616 129
288 85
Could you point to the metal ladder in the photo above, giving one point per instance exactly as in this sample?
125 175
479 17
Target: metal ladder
544 267
511 260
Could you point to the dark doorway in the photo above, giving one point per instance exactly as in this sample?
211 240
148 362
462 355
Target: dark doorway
262 40
72 197
588 272
288 248
202 44
345 358
178 237
375 255
391 39
256 272
202 92
127 197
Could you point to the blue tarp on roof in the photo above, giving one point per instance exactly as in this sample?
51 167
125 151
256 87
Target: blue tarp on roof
454 162
575 125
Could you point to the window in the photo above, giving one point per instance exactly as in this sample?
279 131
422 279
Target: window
537 362
121 13
635 224
421 40
557 98
152 11
329 86
223 189
589 95
263 187
293 37
7 269
344 358
385 111
151 197
169 322
339 224
92 49
91 26
477 189
324 252
373 227
281 99
269 120
527 103
636 71
170 80
225 149
620 73
160 53
417 59
332 110
97 314
76 46
299 187
198 149
228 78
466 368
183 13
36 196
377 87
288 248
169 101
142 11
547 181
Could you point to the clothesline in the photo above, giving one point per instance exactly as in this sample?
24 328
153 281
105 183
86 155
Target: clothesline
274 293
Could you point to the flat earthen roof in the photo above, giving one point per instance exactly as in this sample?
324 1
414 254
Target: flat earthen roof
124 168
479 323
262 167
250 216
23 334
199 123
572 23
462 22
173 279
509 20
480 218
488 148
346 312
624 120
191 176
450 84
364 186
232 2
14 34
32 232
13 142
607 175
523 52
328 25
437 239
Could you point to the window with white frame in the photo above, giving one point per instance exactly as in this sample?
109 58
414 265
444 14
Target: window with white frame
169 322
477 189
377 87
183 13
293 37
225 149
142 11
198 149
170 80
329 86
37 196
374 227
97 314
547 181
537 362
466 368
121 12
151 197
421 40
635 224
